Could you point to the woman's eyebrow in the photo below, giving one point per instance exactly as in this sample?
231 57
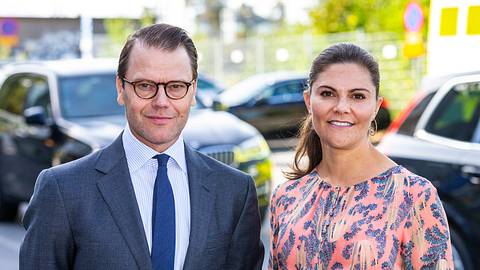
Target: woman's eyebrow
351 90
326 86
360 89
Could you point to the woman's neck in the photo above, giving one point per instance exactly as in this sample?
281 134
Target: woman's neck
341 167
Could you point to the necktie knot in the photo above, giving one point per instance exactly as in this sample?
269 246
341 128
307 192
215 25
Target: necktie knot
162 159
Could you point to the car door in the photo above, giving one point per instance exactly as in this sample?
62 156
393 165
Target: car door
280 107
452 120
24 149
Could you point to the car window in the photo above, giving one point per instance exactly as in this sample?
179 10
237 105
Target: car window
245 90
410 122
38 95
14 92
206 86
289 88
457 115
88 95
291 91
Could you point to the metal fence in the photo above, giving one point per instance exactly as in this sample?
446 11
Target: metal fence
231 62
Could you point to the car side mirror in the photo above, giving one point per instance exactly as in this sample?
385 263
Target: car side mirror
35 116
261 101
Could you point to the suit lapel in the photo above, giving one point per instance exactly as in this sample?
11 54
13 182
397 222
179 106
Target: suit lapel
201 204
117 191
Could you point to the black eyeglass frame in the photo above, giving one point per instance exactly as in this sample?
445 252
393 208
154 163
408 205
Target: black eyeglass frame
157 85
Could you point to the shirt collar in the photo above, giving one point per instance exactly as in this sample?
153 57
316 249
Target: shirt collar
137 153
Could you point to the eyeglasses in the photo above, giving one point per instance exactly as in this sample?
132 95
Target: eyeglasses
146 89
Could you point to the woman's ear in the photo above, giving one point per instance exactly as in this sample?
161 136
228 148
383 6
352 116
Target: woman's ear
306 99
379 103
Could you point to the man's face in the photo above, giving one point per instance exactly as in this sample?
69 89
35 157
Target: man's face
156 122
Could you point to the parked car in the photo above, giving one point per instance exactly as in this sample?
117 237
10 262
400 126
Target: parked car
208 89
273 103
55 112
438 137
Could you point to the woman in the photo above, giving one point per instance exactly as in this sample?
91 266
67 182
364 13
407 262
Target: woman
348 206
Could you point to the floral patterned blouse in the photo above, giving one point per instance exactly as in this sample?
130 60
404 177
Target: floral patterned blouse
392 221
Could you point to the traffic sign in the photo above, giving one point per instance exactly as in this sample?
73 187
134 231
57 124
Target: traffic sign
8 32
8 27
413 17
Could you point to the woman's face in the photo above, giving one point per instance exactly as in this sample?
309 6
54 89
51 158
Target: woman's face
342 102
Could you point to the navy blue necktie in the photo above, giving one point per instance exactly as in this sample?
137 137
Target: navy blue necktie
163 219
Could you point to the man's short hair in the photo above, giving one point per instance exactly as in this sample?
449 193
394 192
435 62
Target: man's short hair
162 36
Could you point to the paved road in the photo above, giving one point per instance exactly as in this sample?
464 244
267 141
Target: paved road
11 234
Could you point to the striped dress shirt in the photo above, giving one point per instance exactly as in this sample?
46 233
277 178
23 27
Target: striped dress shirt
143 171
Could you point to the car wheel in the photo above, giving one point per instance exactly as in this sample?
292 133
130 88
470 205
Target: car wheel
461 257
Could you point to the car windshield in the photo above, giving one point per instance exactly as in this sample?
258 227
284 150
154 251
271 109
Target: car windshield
88 95
92 95
243 91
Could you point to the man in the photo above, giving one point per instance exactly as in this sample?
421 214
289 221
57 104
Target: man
147 201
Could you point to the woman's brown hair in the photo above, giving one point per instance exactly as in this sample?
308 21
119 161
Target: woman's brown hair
309 145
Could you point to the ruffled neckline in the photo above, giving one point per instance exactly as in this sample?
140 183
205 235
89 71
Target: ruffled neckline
384 174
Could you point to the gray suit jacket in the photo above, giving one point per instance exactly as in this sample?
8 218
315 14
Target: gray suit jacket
84 215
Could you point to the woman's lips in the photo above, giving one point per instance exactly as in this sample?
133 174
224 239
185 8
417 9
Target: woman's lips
340 123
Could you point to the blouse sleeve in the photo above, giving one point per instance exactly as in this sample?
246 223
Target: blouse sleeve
426 242
273 260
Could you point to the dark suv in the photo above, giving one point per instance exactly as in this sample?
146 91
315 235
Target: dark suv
55 112
438 137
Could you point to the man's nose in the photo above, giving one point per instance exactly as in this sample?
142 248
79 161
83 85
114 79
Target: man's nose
160 99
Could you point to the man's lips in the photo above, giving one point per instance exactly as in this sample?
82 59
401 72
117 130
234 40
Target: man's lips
159 120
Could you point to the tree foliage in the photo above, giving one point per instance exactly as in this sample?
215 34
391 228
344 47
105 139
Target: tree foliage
331 16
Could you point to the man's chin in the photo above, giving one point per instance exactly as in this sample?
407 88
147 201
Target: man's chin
162 142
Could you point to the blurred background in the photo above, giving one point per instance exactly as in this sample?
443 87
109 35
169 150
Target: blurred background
235 38
254 58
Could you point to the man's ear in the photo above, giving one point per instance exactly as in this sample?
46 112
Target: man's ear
194 90
120 88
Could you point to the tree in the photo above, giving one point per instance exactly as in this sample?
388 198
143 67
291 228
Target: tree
331 16
212 16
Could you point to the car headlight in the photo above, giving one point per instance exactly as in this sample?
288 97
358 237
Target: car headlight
255 148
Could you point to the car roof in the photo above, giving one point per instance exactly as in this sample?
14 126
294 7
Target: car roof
432 83
67 66
272 77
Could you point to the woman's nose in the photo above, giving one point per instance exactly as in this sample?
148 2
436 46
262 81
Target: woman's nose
342 105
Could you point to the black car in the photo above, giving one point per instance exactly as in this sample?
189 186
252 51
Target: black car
55 112
438 137
273 103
